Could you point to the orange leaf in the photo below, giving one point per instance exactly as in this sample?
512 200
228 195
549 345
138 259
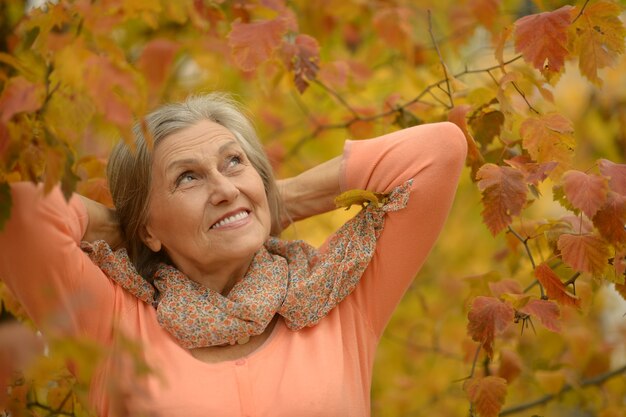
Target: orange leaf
542 39
487 394
546 311
485 11
621 289
504 194
458 116
156 60
548 138
303 59
253 43
534 172
616 174
20 95
554 287
488 317
597 37
505 286
392 26
584 253
510 365
611 218
586 192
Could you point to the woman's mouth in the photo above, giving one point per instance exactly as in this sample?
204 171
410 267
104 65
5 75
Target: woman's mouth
240 215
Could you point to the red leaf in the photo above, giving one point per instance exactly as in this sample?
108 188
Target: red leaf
156 60
548 138
584 253
616 173
487 394
458 116
392 25
534 172
488 317
485 11
505 286
20 95
510 365
554 287
611 218
504 195
546 311
253 43
586 192
542 39
302 58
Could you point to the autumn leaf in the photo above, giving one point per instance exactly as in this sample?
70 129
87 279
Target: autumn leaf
586 192
503 195
359 197
500 43
487 125
546 311
616 174
302 57
621 289
392 26
488 317
611 218
510 365
597 37
458 116
253 43
487 394
548 138
584 253
504 286
5 203
542 39
20 95
156 60
485 11
555 289
534 172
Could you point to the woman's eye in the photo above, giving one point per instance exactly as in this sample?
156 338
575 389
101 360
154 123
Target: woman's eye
234 161
185 177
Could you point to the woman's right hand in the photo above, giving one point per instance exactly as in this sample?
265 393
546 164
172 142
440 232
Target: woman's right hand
102 225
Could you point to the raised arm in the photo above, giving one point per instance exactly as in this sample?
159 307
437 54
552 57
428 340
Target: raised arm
42 264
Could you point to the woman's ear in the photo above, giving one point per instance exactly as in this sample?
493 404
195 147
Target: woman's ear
149 239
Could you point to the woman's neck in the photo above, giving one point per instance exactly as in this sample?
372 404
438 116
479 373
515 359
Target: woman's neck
222 279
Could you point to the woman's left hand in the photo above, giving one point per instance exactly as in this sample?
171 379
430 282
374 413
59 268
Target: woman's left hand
103 224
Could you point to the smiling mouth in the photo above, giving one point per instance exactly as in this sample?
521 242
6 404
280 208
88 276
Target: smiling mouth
231 219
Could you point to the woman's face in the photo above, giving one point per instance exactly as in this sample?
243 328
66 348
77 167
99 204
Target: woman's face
207 207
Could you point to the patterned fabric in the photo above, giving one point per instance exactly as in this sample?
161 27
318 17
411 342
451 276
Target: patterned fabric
287 278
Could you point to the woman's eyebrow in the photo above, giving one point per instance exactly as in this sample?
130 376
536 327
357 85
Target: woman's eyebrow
191 161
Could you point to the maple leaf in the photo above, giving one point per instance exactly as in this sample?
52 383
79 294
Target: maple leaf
505 286
597 37
20 95
534 172
548 138
487 394
546 311
253 43
302 58
458 116
584 253
611 218
156 60
488 317
542 39
554 287
586 192
503 195
616 174
487 125
510 365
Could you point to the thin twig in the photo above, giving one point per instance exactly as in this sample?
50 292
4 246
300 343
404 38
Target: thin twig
530 256
582 9
443 65
521 93
339 98
596 380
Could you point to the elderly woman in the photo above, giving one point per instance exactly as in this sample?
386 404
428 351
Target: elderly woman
234 322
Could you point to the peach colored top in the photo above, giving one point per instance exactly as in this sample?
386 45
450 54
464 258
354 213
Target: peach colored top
324 370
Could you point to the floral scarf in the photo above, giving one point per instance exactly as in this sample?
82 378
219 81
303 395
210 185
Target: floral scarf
291 279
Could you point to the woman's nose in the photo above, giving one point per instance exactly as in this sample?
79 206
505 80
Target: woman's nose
222 190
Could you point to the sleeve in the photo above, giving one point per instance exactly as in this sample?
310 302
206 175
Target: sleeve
433 156
43 266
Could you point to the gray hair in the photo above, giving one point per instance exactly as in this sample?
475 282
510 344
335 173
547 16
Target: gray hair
129 169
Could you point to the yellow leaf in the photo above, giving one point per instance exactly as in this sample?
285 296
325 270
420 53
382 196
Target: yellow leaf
359 197
597 37
550 381
487 394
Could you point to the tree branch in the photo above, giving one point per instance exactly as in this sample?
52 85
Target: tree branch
582 9
596 380
443 65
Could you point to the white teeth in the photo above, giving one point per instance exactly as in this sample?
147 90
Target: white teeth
230 219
